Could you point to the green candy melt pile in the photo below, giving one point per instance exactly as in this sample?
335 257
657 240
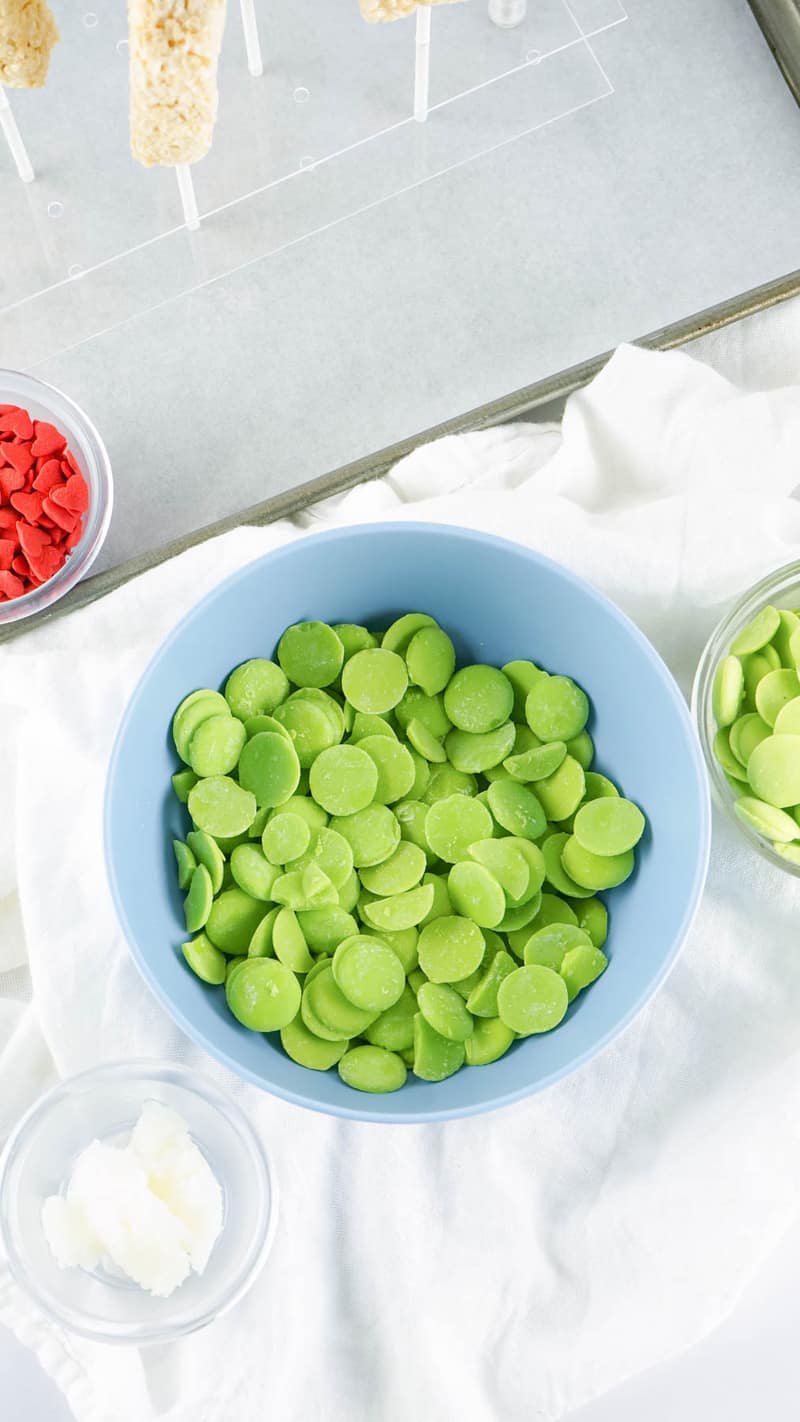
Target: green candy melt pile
756 706
392 862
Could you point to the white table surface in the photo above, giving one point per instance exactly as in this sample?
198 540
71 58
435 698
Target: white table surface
747 1369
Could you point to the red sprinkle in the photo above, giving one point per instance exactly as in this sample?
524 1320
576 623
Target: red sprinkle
65 518
48 439
29 505
46 563
17 422
73 495
18 455
50 474
11 585
10 482
43 497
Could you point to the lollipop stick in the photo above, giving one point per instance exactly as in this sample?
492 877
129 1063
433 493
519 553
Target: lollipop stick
13 138
252 43
422 69
188 200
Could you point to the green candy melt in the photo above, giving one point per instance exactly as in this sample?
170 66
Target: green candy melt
728 690
311 654
263 995
761 630
479 699
205 960
343 780
369 973
373 1069
269 767
375 680
255 688
556 709
532 999
609 826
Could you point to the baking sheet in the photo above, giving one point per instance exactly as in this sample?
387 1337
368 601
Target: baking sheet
626 212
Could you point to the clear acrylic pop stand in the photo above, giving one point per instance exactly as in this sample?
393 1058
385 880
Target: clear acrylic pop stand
345 116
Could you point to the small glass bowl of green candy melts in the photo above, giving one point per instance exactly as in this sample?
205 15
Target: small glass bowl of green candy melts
746 702
394 862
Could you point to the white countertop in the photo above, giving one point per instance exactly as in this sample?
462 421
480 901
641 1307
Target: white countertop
746 1369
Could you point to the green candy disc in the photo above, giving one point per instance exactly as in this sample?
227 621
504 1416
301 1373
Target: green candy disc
372 1069
609 826
532 999
263 995
343 780
375 680
269 768
431 659
556 709
450 948
311 654
479 699
255 688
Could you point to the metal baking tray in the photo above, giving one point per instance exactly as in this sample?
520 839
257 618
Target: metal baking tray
779 21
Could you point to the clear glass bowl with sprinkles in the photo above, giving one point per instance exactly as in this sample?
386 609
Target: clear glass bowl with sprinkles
44 402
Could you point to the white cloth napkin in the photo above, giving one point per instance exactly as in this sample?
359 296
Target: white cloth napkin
509 1267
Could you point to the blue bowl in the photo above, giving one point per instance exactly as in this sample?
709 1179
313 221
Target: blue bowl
498 601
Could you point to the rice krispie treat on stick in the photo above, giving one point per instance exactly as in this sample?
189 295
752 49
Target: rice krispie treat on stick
27 35
374 10
174 48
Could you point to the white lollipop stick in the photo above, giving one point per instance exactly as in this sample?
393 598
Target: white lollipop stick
422 69
13 138
191 216
252 43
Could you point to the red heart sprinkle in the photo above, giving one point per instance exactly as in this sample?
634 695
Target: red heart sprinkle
49 475
7 552
32 540
48 439
73 495
11 585
73 537
63 517
18 422
8 519
45 563
19 456
29 505
20 565
10 482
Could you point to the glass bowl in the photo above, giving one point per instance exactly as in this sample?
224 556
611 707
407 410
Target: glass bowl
105 1104
782 589
44 402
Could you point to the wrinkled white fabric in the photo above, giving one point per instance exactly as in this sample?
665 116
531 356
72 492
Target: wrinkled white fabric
509 1267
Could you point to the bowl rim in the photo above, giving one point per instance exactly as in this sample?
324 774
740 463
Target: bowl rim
199 1083
694 898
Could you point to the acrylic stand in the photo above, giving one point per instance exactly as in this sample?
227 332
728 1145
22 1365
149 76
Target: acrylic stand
340 116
